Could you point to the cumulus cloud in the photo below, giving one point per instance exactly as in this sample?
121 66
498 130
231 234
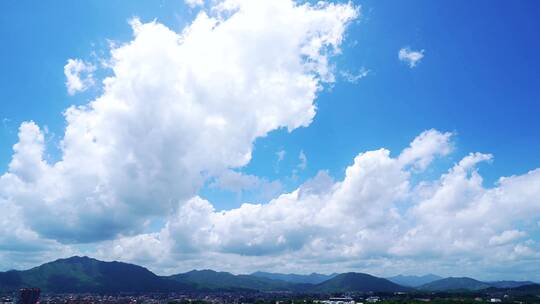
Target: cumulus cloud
411 57
20 246
457 215
179 109
425 147
79 75
375 216
346 216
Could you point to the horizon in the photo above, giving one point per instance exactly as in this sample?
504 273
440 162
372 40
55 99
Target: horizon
284 136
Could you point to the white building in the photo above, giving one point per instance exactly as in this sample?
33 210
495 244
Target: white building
344 300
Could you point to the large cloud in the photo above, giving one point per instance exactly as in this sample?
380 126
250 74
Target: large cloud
179 108
377 219
350 218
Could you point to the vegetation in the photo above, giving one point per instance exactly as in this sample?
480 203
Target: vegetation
86 275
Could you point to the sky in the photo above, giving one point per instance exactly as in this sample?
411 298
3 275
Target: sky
287 136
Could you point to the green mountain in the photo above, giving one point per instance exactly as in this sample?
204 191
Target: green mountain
532 289
357 282
83 274
87 275
314 278
528 289
414 281
454 284
213 280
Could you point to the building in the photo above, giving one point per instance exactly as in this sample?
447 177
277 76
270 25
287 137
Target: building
28 296
373 299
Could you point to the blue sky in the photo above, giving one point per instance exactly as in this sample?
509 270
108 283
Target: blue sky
478 79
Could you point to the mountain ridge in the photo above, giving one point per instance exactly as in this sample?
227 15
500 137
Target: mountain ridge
88 275
414 280
312 278
470 284
218 280
84 274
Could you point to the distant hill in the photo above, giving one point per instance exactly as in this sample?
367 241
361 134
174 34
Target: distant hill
83 274
509 284
450 284
528 289
357 282
523 290
213 280
314 278
414 281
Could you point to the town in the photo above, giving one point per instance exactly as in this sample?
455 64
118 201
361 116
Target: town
34 296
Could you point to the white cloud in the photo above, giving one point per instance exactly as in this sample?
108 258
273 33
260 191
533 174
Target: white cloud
459 216
355 77
524 251
27 162
506 237
302 165
375 216
411 57
79 75
425 147
179 109
194 3
20 246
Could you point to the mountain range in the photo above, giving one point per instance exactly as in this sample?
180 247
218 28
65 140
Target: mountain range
88 275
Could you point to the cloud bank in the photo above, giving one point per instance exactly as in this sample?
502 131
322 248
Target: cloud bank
375 217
